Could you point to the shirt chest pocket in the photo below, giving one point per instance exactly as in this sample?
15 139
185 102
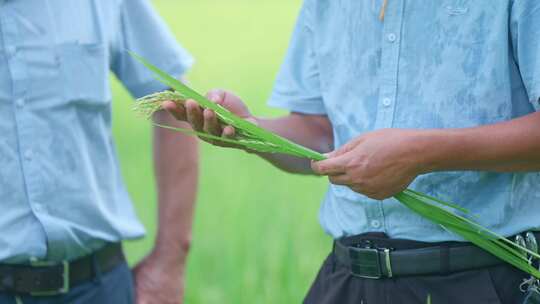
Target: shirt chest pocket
85 74
467 23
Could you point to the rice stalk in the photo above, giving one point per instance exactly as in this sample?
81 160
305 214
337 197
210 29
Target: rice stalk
255 138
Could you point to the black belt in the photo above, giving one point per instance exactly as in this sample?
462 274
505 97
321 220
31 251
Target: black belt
375 262
47 279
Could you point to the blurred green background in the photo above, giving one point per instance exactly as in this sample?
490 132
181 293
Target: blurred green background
256 234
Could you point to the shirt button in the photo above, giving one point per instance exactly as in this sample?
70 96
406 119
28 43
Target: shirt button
39 208
387 102
20 103
10 51
391 37
375 224
28 155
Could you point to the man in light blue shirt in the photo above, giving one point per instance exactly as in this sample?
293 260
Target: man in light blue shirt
63 199
439 96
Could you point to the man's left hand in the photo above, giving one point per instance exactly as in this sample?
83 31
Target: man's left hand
379 164
158 282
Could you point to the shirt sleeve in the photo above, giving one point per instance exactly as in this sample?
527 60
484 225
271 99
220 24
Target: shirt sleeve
525 29
297 87
143 32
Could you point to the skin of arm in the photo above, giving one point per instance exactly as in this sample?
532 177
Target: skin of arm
159 277
382 163
312 131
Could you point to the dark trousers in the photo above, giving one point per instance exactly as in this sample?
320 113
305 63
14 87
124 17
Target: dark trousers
334 284
113 287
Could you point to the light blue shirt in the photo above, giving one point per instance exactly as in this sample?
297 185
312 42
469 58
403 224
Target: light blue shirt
61 193
430 64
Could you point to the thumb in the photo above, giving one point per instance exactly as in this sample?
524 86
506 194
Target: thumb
217 96
230 102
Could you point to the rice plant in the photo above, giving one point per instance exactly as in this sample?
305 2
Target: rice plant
449 216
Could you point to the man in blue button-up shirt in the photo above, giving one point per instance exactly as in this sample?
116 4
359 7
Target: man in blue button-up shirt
61 192
439 96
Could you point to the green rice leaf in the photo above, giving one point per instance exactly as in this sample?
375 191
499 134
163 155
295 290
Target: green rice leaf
231 119
430 198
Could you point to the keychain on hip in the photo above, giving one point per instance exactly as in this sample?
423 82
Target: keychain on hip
530 286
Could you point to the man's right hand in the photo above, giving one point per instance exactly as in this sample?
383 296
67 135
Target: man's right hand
312 131
206 120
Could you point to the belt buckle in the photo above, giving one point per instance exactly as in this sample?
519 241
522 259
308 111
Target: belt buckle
65 278
365 263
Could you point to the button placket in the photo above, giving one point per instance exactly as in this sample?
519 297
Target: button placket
19 78
389 64
26 129
390 45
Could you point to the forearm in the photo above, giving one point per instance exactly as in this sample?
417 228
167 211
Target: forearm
176 169
312 131
504 147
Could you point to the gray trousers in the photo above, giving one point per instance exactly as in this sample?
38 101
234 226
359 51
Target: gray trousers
495 285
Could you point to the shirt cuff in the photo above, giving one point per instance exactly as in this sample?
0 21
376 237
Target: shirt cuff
312 106
536 99
176 70
534 95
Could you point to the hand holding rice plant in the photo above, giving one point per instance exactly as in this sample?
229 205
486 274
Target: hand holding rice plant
377 164
226 128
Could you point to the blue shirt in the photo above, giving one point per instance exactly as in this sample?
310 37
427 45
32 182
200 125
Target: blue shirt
430 64
61 192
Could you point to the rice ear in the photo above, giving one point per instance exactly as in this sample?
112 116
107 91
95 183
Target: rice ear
149 104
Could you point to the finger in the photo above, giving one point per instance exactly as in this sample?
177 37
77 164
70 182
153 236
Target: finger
211 124
229 132
341 179
178 111
346 148
228 100
360 189
194 115
331 166
222 98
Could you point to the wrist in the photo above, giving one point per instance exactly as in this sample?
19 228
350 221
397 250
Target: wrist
431 149
171 253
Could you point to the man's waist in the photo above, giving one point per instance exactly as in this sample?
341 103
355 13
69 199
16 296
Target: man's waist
41 278
375 256
56 238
